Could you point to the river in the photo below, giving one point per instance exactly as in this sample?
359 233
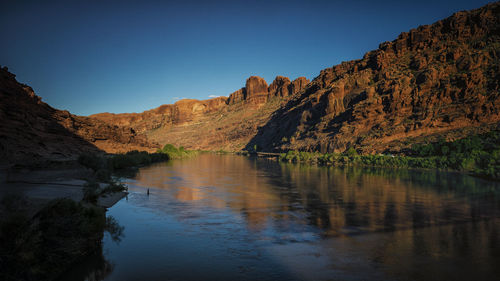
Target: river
227 217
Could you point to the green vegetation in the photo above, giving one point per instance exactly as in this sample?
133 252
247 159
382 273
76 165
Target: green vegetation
176 153
102 164
135 159
479 155
43 246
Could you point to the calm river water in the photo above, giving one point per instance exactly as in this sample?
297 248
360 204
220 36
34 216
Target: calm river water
225 217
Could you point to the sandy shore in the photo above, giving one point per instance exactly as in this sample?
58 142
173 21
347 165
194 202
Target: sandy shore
42 186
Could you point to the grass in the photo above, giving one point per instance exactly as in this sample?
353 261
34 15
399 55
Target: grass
479 155
177 153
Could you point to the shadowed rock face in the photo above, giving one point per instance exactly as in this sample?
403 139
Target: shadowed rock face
440 79
32 132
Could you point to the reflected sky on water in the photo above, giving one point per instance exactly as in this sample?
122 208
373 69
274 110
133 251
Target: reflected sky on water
225 217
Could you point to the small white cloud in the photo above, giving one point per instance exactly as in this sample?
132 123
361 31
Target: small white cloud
212 96
178 98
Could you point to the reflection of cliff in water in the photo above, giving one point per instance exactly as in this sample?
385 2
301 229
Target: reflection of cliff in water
462 251
369 199
337 201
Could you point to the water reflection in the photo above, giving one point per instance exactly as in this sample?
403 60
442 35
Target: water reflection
337 201
92 268
237 218
95 267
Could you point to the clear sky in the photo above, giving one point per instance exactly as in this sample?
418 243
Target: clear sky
130 56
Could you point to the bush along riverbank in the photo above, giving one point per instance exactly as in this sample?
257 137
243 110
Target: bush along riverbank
177 153
478 155
42 243
105 165
103 180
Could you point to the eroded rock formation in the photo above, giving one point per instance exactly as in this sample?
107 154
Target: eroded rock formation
254 98
440 79
32 132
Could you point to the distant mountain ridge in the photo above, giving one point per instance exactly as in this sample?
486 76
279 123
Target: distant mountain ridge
435 81
255 94
227 123
439 80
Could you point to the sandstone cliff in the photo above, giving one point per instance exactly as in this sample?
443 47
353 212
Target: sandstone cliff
32 132
436 80
219 123
439 80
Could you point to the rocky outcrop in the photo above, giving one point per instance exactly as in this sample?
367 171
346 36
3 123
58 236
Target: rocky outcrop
183 111
256 90
298 85
434 80
439 80
280 87
237 96
253 96
32 132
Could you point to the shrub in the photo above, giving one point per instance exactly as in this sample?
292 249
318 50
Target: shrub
176 153
351 152
477 154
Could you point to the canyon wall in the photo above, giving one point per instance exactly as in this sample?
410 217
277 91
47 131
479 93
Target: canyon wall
34 133
435 81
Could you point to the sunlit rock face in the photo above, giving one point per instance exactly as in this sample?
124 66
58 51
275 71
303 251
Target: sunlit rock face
280 87
435 81
237 96
439 80
298 85
223 122
256 90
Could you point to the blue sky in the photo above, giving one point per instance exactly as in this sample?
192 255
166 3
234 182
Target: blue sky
130 56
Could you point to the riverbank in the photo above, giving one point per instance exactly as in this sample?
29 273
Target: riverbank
52 217
42 245
46 225
222 213
477 155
